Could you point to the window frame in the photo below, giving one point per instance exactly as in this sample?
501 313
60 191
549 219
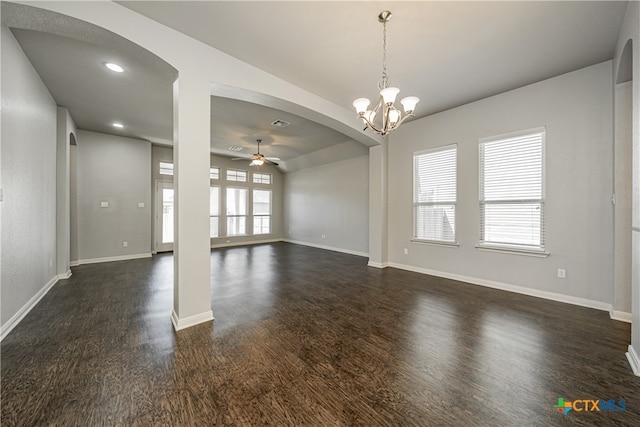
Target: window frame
219 211
168 167
214 173
230 178
261 176
245 215
451 203
253 209
512 247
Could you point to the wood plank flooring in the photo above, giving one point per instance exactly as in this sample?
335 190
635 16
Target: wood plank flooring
304 336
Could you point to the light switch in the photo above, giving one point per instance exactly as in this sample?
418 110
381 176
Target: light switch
104 204
141 204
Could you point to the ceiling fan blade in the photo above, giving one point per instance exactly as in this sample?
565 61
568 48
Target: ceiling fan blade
241 158
273 158
270 162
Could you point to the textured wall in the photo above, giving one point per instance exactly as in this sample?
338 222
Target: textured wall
28 180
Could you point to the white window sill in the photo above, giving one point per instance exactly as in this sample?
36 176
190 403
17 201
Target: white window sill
514 250
435 242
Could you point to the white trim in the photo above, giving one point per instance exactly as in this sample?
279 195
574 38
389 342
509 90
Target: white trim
568 299
622 316
634 360
513 250
74 263
187 322
377 264
113 258
515 134
17 318
454 244
64 275
329 248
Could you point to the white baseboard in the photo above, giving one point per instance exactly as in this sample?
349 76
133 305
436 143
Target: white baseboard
13 322
622 316
187 322
64 275
329 248
244 243
378 264
568 299
113 258
74 263
634 360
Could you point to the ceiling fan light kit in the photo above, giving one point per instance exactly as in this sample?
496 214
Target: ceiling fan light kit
258 159
385 117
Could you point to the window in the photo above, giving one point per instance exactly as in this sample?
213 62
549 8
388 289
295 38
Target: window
262 178
236 175
166 168
236 211
261 211
434 194
512 191
214 173
214 211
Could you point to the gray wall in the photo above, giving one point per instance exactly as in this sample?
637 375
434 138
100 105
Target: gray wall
115 170
330 200
28 215
576 109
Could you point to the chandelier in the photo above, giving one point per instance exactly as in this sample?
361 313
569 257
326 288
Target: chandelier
385 117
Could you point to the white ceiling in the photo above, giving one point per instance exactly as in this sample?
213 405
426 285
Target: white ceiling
447 53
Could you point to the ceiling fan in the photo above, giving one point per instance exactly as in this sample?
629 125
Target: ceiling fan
258 159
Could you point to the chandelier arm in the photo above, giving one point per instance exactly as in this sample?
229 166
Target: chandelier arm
402 120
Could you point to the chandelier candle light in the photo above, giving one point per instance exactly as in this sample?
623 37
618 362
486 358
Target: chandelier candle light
385 112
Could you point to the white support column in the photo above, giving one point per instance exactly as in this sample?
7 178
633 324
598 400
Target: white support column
191 157
378 218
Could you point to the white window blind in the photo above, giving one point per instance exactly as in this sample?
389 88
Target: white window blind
434 194
512 190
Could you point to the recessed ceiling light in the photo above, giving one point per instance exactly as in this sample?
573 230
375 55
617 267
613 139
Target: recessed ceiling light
117 125
114 67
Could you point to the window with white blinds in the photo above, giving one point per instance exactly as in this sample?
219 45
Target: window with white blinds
434 194
512 190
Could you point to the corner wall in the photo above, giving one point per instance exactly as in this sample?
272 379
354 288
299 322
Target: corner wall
576 109
28 215
328 206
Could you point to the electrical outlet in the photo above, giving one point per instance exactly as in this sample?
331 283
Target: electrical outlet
406 251
104 204
125 244
323 236
562 273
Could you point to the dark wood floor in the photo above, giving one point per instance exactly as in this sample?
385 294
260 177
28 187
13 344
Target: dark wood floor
309 337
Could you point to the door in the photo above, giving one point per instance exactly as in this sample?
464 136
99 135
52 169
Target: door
164 216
